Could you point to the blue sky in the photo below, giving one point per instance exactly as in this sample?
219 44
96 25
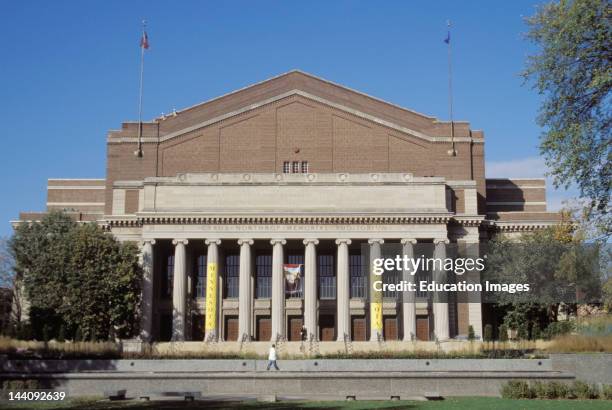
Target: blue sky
69 72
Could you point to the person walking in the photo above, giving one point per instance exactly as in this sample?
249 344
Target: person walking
272 358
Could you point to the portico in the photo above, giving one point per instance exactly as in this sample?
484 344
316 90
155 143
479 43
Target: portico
295 224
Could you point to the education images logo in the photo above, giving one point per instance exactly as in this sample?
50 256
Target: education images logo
459 266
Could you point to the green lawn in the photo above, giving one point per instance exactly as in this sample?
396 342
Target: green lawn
471 403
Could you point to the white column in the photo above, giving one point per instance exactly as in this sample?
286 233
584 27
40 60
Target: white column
179 291
440 304
278 289
310 291
376 301
146 326
409 298
245 296
472 250
343 292
212 295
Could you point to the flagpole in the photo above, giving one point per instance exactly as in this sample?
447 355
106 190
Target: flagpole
142 51
452 152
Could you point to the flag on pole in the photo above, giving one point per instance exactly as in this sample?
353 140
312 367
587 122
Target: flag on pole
447 39
144 41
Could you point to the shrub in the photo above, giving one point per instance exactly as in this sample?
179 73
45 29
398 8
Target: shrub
78 335
606 391
538 390
556 390
503 333
582 390
536 332
522 332
61 335
471 335
559 328
488 333
516 389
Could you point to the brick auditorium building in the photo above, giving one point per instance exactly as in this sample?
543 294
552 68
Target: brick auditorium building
295 170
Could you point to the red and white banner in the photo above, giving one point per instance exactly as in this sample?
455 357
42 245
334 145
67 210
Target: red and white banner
293 278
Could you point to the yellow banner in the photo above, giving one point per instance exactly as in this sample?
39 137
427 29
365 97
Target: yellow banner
376 305
211 298
376 314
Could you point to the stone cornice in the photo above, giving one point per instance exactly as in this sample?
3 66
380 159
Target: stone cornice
270 178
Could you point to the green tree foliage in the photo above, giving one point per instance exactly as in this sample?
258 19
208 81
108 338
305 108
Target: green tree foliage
562 272
78 276
572 70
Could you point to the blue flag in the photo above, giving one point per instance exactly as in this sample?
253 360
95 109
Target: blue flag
447 39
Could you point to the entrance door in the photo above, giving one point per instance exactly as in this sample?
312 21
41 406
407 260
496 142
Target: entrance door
197 327
231 328
165 327
358 328
327 328
422 328
390 328
295 326
264 328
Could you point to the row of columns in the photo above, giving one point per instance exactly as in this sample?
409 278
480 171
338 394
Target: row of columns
179 295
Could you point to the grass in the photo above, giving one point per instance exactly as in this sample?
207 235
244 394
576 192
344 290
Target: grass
580 344
472 403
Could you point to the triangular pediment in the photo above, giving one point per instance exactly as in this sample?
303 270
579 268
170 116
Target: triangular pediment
308 87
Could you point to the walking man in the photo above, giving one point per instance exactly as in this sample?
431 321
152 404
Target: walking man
272 358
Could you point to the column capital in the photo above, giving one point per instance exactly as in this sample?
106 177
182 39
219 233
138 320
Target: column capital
343 240
244 241
147 241
438 241
181 241
274 241
212 241
378 241
409 241
307 241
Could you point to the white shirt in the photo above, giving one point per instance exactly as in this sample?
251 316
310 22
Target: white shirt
272 354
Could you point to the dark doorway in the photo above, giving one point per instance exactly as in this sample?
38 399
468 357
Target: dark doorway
422 328
358 328
295 326
231 328
264 328
197 327
327 328
390 328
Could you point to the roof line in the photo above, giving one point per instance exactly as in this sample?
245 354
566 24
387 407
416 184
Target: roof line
304 94
434 119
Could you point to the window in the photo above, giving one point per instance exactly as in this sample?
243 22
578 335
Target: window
297 259
200 282
327 277
232 276
296 167
358 277
167 277
263 275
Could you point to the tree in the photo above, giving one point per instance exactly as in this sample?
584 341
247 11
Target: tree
77 276
572 71
10 280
